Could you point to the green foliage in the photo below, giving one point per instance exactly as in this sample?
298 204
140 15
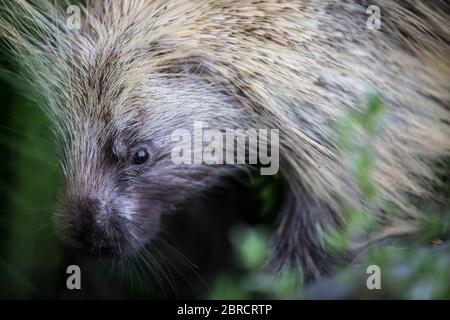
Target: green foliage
412 270
355 132
28 186
251 245
415 270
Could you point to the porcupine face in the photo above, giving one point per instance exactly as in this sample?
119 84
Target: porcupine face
116 99
118 175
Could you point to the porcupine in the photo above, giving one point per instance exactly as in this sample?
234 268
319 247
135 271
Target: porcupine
137 70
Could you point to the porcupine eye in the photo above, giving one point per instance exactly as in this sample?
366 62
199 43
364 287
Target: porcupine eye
140 156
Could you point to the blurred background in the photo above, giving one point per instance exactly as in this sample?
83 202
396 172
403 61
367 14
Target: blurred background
215 248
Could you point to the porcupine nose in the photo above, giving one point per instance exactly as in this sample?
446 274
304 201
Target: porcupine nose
92 228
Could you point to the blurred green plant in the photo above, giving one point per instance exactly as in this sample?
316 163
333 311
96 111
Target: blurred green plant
355 132
417 270
251 246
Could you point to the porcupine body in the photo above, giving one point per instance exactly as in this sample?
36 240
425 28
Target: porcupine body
138 70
